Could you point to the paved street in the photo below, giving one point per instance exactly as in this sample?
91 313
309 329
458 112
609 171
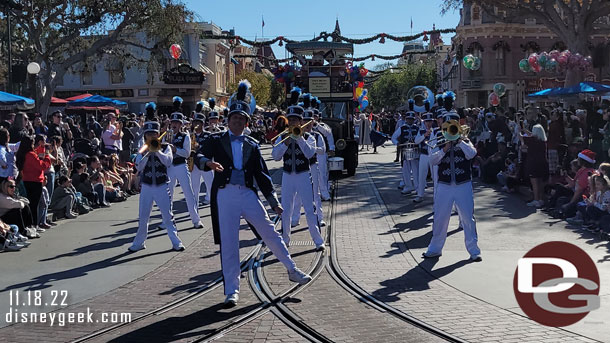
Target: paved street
378 239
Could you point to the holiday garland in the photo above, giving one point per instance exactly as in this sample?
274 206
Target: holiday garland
355 59
234 39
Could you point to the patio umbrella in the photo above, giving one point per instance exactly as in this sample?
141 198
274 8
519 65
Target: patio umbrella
585 88
10 101
58 102
76 97
545 92
96 101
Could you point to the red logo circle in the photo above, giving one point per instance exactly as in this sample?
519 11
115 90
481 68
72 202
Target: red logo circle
544 297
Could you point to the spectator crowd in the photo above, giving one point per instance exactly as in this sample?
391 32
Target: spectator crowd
557 155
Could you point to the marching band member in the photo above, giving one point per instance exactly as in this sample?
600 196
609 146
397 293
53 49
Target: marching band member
329 142
199 109
155 187
178 171
296 152
423 139
314 167
454 187
177 104
410 168
151 111
197 174
213 127
238 162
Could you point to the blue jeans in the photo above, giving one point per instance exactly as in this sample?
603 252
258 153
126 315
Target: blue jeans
50 182
42 213
100 190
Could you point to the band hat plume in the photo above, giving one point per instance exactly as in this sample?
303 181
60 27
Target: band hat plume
294 110
242 102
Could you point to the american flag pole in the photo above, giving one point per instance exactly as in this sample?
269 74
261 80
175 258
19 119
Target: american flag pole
263 27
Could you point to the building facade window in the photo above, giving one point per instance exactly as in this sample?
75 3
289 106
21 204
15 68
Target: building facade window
476 13
86 78
117 77
500 62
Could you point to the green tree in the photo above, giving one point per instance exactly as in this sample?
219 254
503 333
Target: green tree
261 86
390 90
65 33
573 21
278 94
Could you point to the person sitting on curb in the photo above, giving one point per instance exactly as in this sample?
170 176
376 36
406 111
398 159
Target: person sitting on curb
63 198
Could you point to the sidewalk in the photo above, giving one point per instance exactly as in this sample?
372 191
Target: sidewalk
381 236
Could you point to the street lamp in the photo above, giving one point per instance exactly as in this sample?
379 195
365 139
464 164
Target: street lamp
33 69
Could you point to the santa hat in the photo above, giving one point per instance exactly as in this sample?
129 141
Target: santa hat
587 155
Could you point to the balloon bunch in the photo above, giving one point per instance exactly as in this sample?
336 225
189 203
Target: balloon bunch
555 61
175 51
471 62
498 92
356 73
361 95
284 73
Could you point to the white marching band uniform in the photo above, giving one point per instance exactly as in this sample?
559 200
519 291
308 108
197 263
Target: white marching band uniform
297 179
155 187
425 145
234 195
178 171
197 175
314 165
454 188
329 141
410 168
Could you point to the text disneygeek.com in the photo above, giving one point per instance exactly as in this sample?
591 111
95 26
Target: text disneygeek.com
21 303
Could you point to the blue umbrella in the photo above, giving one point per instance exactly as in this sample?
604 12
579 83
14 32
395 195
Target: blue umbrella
97 100
546 92
10 101
585 87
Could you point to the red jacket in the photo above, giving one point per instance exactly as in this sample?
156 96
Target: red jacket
34 167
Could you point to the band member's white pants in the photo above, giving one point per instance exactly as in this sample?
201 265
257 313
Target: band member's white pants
323 175
208 178
446 196
291 185
296 212
410 171
160 195
424 167
182 175
196 180
235 202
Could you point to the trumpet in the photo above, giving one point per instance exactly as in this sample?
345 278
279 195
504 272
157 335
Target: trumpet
152 145
292 132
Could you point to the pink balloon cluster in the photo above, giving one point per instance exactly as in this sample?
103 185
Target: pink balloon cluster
555 61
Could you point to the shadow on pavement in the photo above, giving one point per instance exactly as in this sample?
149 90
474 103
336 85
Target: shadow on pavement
415 280
181 328
420 242
45 281
112 244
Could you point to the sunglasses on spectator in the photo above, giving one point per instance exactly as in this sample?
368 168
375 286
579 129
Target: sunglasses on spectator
11 186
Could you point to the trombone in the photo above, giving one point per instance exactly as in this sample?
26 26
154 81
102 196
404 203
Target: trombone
452 131
153 145
292 131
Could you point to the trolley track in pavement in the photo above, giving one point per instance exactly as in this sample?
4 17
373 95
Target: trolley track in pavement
335 271
270 302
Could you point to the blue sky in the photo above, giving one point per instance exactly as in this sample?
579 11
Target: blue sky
358 19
